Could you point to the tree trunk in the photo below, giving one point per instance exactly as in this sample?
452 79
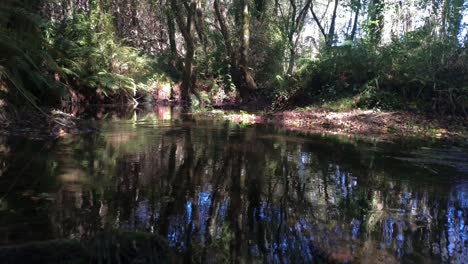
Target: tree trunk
291 31
241 78
247 80
443 29
455 19
234 67
292 55
199 26
376 17
331 32
187 79
187 30
245 34
171 33
319 24
296 24
355 22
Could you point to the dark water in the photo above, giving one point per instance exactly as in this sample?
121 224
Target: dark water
220 192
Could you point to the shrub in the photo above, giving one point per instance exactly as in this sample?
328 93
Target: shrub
92 60
416 72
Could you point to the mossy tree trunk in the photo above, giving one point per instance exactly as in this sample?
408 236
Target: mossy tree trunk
241 77
248 82
186 27
376 21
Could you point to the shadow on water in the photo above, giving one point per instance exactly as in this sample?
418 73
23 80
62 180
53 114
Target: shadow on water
160 186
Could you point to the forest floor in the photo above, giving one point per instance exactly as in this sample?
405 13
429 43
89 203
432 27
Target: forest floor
370 124
365 124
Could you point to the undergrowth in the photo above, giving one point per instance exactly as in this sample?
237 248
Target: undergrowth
417 73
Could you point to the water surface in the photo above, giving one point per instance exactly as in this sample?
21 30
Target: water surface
223 192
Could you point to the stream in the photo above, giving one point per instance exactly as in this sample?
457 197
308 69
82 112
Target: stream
218 192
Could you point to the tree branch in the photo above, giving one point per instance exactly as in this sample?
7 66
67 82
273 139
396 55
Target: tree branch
322 30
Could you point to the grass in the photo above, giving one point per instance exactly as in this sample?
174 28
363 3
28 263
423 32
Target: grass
340 105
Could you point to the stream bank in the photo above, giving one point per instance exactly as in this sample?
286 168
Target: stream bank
366 124
374 125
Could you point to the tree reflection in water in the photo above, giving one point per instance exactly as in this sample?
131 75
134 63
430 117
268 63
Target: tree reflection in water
221 192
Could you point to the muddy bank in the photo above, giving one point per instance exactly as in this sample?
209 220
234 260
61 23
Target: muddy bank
42 125
368 124
71 119
365 124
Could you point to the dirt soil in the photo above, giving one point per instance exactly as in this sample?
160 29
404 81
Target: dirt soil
363 123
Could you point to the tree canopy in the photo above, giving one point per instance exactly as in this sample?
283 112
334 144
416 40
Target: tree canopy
380 53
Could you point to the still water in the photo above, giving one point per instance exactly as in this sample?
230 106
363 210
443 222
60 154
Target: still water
223 192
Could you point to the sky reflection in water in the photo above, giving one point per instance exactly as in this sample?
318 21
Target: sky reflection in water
221 192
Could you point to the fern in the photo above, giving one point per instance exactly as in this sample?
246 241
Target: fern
83 52
23 52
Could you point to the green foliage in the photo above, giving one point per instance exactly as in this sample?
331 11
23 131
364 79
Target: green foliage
91 57
456 18
416 72
269 54
22 55
429 72
375 23
82 54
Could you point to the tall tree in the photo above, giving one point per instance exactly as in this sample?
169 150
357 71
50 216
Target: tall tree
241 77
248 83
376 21
455 18
293 23
356 7
220 17
185 20
330 35
171 33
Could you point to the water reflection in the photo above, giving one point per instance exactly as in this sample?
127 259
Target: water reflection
218 192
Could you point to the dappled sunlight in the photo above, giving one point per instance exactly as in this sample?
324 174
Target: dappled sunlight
224 190
250 131
73 176
217 191
366 124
